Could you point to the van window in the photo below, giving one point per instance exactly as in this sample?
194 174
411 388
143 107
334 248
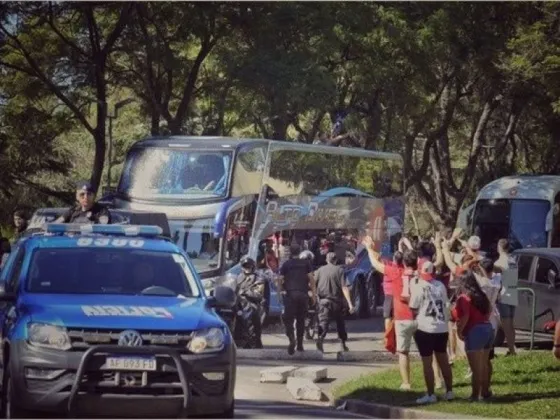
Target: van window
543 265
524 267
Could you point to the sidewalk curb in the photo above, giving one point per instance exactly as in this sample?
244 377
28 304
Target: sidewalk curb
384 411
372 356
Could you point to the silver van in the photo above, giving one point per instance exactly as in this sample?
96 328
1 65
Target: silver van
538 269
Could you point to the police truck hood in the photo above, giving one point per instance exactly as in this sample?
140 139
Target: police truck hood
155 313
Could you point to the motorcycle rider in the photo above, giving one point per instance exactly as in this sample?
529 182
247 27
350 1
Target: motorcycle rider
251 286
87 210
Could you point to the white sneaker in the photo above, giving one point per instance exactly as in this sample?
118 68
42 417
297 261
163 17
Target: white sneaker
448 396
427 399
405 387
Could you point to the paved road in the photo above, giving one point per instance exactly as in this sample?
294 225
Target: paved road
273 409
263 400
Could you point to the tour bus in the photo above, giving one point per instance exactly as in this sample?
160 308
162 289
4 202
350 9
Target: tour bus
223 196
524 209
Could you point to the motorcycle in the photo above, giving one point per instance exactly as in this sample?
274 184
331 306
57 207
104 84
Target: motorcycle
240 317
244 330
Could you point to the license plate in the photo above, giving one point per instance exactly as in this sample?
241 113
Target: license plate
131 363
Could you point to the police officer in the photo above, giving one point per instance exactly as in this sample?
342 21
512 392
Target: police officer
294 284
251 286
87 210
332 288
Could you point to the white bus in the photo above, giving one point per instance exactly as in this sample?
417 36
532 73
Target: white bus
525 209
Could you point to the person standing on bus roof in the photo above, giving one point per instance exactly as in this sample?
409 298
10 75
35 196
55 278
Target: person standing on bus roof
294 284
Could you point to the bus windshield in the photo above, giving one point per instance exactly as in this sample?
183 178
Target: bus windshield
523 222
153 173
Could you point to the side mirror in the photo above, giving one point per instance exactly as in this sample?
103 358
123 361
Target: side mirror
223 298
552 279
6 296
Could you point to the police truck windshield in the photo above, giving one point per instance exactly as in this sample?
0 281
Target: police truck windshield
153 173
110 271
197 238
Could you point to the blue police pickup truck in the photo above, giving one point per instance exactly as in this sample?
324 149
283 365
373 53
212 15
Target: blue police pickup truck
111 320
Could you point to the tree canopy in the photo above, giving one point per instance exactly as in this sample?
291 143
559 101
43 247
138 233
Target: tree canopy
465 91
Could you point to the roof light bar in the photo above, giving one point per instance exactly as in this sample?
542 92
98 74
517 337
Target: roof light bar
84 229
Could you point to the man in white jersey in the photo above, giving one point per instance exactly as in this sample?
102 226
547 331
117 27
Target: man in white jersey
430 306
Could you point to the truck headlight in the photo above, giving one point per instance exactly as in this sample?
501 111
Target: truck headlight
50 336
207 341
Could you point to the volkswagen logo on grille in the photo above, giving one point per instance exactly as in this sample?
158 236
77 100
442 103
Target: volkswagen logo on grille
130 338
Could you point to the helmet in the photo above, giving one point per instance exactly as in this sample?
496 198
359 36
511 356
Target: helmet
248 262
307 255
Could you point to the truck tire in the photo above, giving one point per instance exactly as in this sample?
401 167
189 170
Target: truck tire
9 409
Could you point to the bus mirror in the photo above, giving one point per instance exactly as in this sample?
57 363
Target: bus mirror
269 193
553 279
549 220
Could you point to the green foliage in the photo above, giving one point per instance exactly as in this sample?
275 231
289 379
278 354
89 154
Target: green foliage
524 387
465 91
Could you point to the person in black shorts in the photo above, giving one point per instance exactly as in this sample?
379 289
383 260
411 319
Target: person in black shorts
429 304
86 210
295 282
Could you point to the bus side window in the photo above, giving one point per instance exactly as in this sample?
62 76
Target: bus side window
248 171
555 241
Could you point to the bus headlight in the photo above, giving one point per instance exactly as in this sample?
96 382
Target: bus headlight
49 336
207 341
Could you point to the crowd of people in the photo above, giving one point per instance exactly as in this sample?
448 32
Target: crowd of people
444 293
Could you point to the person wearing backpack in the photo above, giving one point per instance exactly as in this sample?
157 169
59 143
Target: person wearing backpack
405 325
429 304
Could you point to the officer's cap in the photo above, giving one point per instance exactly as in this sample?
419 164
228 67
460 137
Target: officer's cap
84 186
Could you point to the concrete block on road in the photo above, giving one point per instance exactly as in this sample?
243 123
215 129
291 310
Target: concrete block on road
313 373
304 389
277 375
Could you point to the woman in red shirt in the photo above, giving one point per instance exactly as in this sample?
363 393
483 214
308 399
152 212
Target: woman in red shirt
471 312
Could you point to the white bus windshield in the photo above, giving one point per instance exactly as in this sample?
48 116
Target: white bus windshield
154 173
522 222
